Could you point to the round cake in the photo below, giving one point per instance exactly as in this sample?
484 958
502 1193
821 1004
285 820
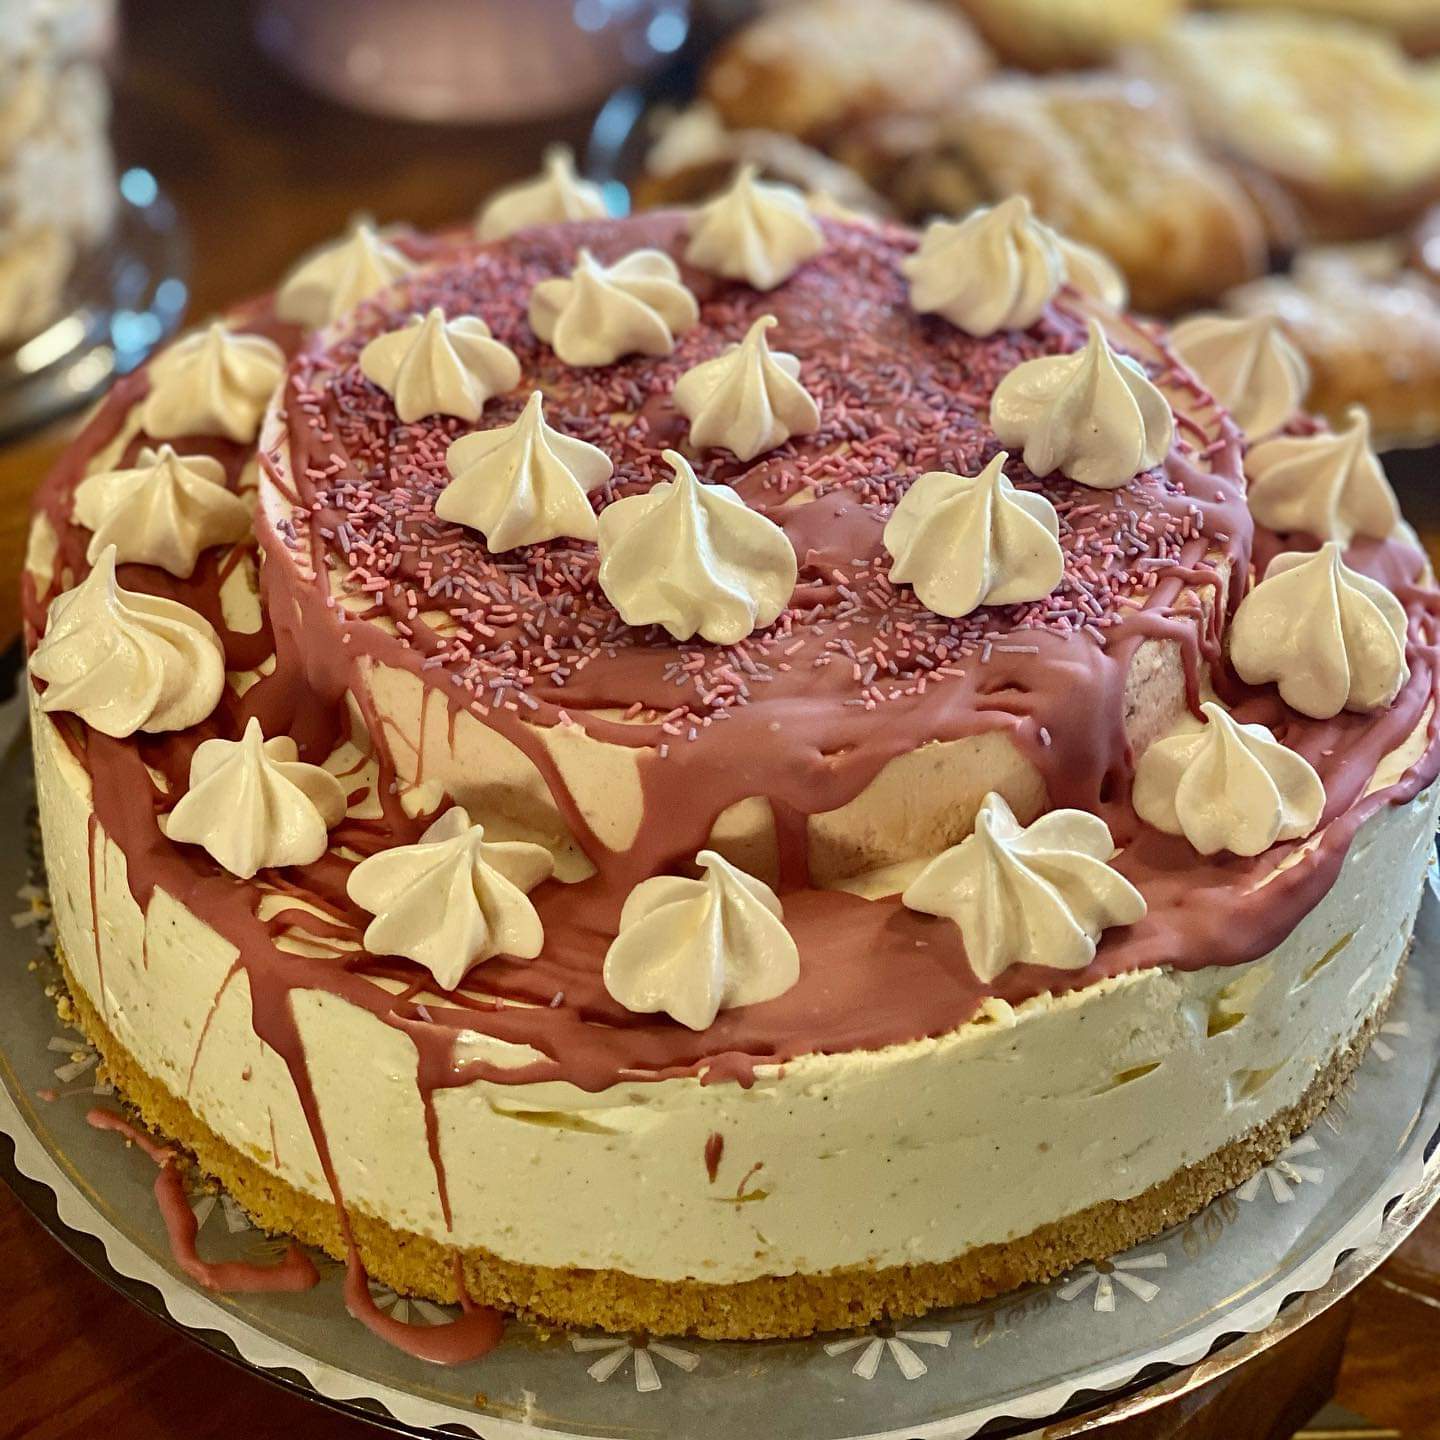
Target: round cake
726 772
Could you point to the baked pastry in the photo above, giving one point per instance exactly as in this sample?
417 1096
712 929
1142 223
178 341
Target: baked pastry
1369 328
693 155
1104 159
57 177
1332 112
1066 34
68 29
818 861
1424 249
1414 23
809 68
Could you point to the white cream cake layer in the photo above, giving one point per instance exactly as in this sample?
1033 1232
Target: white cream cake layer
918 1152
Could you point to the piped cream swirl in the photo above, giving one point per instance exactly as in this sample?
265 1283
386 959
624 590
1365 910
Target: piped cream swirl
1093 415
748 399
1227 786
453 899
555 195
213 382
755 231
435 366
1331 638
1328 485
523 483
124 661
1037 894
695 559
692 948
598 313
997 269
1248 364
254 804
164 510
329 283
966 541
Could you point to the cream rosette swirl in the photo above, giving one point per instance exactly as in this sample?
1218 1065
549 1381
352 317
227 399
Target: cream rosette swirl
453 899
692 948
164 510
524 483
1248 364
997 269
436 366
1328 485
695 559
599 312
328 284
556 194
966 541
254 804
216 381
1331 638
125 661
748 399
755 231
1093 415
1224 785
1037 894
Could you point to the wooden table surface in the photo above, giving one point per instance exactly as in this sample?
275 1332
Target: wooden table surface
262 170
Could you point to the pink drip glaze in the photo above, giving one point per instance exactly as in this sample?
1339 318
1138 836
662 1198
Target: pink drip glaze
743 1188
294 1273
473 1336
714 1152
98 1118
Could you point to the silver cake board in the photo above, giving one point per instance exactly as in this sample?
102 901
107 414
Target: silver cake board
1253 1265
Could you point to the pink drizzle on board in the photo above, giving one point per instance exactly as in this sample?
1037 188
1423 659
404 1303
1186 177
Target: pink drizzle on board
295 1272
474 1335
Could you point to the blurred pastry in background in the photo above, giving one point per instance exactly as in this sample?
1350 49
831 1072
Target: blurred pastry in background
1414 23
1369 328
71 29
1104 159
815 66
1424 247
694 156
1067 34
57 178
34 267
1335 113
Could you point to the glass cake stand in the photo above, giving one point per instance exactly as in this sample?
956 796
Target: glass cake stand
125 297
